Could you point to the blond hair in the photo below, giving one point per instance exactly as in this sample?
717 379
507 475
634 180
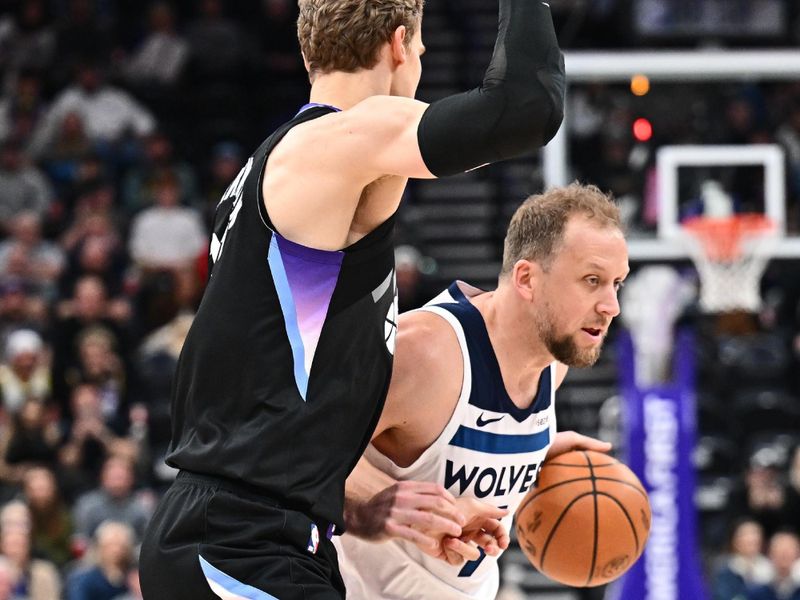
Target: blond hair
347 35
537 227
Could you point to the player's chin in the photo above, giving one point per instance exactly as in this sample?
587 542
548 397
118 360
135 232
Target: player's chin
585 354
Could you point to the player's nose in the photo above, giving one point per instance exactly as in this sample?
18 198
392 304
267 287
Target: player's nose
609 305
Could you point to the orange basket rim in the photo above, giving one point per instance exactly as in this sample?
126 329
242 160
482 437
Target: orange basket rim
742 222
721 237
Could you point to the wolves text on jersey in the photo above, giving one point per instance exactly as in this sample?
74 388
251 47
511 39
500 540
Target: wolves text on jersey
489 481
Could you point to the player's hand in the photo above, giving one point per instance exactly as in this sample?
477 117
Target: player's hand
482 529
417 511
566 441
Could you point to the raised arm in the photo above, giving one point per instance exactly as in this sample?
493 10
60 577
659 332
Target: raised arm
517 108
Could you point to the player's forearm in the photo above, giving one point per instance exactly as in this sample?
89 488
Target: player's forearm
363 484
519 106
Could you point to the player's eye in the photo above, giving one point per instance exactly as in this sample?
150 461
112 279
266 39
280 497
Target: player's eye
593 280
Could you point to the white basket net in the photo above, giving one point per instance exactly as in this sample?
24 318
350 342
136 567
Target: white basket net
730 256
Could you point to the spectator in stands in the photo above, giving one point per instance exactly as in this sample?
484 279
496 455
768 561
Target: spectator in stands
27 41
107 578
279 39
108 113
88 441
88 308
15 515
741 122
115 499
168 235
90 175
745 565
61 159
51 519
44 259
36 579
784 554
218 45
23 187
762 494
82 31
283 84
99 256
90 305
227 159
158 159
160 58
134 587
92 223
33 438
24 375
20 308
7 574
99 365
793 490
21 107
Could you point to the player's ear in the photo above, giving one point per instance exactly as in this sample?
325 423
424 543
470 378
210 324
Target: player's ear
524 276
397 45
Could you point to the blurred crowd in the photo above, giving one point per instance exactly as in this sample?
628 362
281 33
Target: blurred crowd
607 150
121 124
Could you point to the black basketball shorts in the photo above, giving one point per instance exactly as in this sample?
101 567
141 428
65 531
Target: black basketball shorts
211 539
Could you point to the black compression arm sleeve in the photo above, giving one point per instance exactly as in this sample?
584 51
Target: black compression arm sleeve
518 107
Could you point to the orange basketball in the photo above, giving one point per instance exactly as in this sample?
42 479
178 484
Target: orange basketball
586 521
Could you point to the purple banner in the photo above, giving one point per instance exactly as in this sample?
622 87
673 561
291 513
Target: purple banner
660 434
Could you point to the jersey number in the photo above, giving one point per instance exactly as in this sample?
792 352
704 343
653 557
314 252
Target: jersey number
227 211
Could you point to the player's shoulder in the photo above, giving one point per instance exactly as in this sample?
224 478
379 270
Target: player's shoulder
425 326
426 341
373 119
379 113
384 103
427 373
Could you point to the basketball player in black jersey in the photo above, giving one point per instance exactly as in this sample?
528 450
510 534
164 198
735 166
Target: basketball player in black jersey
285 370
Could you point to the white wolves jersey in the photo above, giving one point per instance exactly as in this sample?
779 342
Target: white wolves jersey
490 449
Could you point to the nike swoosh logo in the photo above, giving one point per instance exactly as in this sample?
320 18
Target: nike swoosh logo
482 423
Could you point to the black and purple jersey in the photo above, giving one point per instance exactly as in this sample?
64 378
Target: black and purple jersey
285 370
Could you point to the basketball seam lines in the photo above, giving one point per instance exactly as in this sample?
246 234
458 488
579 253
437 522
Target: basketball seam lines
623 482
557 523
555 485
596 524
568 481
627 516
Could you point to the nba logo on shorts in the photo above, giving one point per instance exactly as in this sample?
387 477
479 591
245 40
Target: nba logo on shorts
313 541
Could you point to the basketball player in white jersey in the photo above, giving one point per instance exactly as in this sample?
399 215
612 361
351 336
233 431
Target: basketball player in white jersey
471 404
